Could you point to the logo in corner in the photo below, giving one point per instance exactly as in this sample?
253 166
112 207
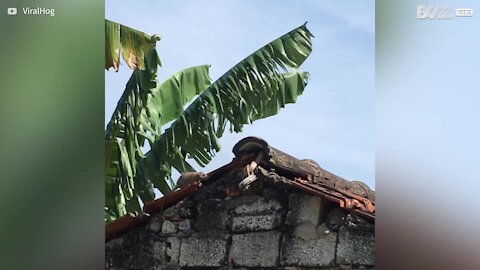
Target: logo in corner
434 12
12 11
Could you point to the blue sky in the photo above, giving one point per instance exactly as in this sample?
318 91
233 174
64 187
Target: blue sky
332 122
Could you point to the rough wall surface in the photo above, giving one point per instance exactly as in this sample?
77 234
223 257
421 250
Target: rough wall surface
264 228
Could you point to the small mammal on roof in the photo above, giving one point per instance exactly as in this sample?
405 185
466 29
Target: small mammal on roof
188 178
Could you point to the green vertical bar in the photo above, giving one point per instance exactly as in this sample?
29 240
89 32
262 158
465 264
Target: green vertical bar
51 135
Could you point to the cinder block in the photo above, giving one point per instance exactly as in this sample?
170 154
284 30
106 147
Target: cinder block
356 247
203 250
303 209
256 249
258 207
256 223
212 216
317 252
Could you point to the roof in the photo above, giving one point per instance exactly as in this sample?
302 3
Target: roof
266 163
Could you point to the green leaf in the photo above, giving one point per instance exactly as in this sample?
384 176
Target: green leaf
141 111
253 89
136 47
179 89
112 45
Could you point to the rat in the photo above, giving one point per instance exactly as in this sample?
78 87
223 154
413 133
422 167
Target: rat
188 178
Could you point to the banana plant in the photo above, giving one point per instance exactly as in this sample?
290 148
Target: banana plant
255 88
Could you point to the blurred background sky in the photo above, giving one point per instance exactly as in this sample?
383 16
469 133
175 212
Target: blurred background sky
427 132
331 123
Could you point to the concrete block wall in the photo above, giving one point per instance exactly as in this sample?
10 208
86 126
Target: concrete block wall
269 229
